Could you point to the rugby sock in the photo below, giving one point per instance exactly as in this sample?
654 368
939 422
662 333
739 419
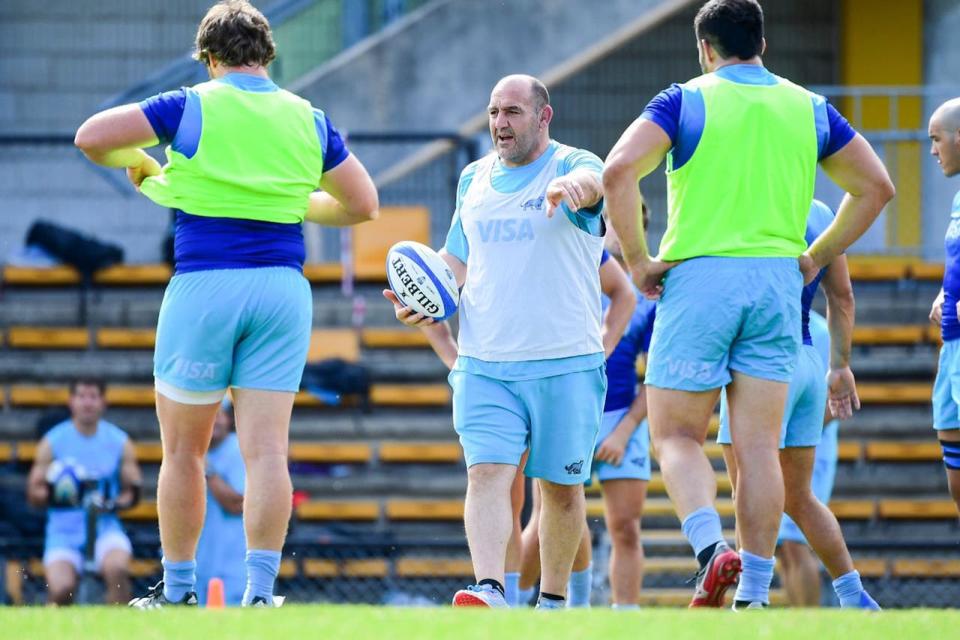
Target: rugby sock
511 588
262 568
851 593
755 578
179 579
704 530
524 596
493 583
578 589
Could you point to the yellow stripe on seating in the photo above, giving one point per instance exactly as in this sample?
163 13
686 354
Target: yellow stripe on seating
131 396
134 274
26 451
34 396
658 507
288 568
346 510
320 568
656 485
421 452
126 338
149 452
853 509
932 271
849 451
394 339
37 276
6 452
926 568
411 395
895 393
433 567
904 451
424 509
879 268
323 272
48 338
144 510
871 567
143 568
889 334
366 568
333 343
329 452
918 509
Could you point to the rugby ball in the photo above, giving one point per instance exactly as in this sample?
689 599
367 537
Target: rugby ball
422 280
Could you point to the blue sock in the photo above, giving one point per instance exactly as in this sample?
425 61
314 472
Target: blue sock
702 528
851 593
262 569
511 588
179 579
524 596
578 589
755 578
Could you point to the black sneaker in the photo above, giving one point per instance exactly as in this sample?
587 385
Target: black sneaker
156 600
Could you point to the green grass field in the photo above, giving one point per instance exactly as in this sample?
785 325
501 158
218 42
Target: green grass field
354 622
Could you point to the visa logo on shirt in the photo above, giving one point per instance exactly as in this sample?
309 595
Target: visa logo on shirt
505 230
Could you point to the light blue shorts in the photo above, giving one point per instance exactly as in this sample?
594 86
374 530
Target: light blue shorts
246 328
806 403
557 417
718 315
946 388
636 459
824 472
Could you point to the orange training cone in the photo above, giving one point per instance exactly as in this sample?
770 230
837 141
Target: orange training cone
215 599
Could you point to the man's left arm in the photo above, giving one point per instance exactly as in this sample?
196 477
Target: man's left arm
615 284
843 399
116 137
131 479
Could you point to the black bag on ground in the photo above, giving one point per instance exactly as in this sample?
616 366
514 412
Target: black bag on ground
85 253
339 378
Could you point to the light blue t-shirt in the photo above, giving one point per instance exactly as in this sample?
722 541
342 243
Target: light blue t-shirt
222 547
510 180
100 455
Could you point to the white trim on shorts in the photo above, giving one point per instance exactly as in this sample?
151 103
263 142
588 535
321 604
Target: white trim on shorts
185 396
106 542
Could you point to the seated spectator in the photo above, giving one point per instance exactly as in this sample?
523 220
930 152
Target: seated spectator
222 548
82 453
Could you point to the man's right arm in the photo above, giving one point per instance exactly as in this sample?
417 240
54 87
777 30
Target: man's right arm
38 491
856 169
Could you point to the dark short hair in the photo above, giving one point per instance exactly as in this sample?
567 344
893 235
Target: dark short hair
88 381
235 33
733 27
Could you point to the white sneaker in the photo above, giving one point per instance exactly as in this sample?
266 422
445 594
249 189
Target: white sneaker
482 595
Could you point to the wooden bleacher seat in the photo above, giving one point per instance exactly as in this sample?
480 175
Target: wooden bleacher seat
926 568
849 451
882 451
119 275
421 452
412 395
379 338
134 275
403 509
879 268
122 338
889 334
334 343
48 338
6 453
320 568
871 567
143 511
899 509
853 509
372 240
433 567
367 510
657 507
41 396
929 271
323 272
149 452
330 452
895 392
365 568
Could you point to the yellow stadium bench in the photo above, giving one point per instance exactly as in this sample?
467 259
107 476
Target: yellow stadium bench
926 568
918 509
149 452
656 485
400 509
119 338
849 451
143 511
40 276
433 567
425 452
871 567
889 334
413 395
372 240
366 568
134 275
394 339
366 510
48 338
853 509
330 452
334 343
40 396
288 568
323 272
930 271
320 568
904 451
6 452
879 267
895 393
